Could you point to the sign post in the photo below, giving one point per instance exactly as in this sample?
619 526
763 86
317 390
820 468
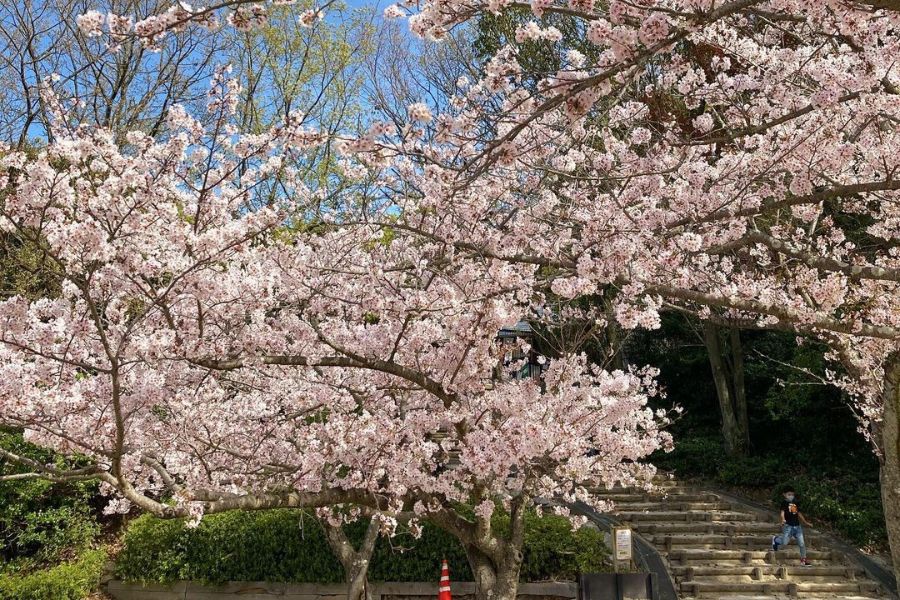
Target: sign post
621 546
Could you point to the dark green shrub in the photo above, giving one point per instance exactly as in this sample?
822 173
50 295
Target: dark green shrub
233 546
757 471
42 523
705 458
68 581
554 551
846 504
692 457
288 545
405 558
45 536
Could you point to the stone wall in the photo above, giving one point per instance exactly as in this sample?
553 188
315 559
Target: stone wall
188 590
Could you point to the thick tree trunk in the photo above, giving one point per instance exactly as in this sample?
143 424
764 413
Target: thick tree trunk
728 376
484 571
497 574
355 562
890 459
739 390
507 585
494 581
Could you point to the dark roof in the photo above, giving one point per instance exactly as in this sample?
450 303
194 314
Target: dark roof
519 329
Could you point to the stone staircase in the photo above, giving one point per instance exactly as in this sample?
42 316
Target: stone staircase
717 548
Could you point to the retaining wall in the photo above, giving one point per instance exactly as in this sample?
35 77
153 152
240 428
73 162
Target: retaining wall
189 590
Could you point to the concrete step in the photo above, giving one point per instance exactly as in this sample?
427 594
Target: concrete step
706 556
726 542
863 587
675 496
664 516
806 596
719 548
798 573
763 579
666 482
740 596
707 527
657 486
672 505
815 572
715 589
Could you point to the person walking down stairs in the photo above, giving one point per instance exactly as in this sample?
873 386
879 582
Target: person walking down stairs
791 519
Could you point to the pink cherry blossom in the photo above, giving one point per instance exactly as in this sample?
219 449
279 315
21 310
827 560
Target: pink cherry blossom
420 112
91 23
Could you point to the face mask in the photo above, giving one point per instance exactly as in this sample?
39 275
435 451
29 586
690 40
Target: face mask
789 497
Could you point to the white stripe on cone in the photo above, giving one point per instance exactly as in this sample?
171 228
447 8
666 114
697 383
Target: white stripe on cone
444 588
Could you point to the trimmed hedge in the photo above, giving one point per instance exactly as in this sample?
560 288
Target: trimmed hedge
68 581
290 546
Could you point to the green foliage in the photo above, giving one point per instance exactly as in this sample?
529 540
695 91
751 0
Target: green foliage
277 545
705 457
25 268
693 457
44 536
853 508
537 57
762 471
68 581
405 558
41 522
554 551
787 379
314 70
288 545
843 497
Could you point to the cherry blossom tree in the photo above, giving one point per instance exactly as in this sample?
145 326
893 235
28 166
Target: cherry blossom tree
226 338
736 160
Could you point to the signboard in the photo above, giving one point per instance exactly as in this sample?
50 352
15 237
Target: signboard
622 541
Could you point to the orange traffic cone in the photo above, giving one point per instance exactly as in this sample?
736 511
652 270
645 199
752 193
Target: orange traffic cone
444 589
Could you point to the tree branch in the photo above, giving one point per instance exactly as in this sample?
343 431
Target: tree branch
818 262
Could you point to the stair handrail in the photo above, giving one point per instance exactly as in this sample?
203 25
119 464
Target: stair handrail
646 555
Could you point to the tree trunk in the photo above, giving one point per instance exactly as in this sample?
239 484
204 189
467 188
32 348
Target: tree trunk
497 574
495 581
890 459
355 562
728 377
614 337
484 571
739 390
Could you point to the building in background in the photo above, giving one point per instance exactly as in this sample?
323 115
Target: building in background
514 362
